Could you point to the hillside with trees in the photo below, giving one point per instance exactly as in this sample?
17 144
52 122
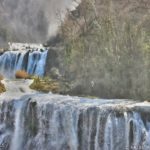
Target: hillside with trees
107 48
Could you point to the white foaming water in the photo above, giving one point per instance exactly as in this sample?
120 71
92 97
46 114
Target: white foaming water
24 46
17 138
16 88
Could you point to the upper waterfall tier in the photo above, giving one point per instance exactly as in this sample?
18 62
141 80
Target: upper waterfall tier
30 59
54 122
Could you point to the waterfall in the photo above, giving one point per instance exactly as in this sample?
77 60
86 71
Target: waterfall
31 61
18 131
54 122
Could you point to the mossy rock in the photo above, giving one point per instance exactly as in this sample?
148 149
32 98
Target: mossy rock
2 87
49 85
45 85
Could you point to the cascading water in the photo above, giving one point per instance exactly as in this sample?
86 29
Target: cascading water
32 61
54 122
18 130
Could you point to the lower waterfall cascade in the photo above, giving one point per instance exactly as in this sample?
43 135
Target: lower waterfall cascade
54 122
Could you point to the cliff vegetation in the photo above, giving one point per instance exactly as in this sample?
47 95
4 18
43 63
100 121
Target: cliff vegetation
107 48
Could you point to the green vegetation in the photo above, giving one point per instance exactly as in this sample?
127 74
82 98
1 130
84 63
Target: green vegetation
107 49
45 85
2 86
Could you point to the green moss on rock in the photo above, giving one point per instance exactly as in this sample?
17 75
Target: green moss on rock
45 85
2 87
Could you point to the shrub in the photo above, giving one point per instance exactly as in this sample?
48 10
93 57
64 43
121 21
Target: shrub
21 74
2 87
45 85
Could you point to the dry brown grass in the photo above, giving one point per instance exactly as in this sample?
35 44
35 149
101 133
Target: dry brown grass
1 77
21 74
